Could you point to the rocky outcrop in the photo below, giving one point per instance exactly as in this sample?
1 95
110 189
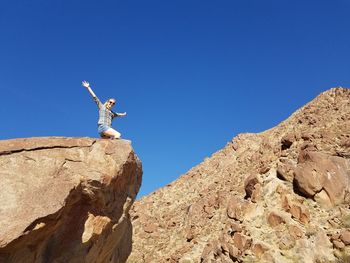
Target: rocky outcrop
66 199
324 177
278 196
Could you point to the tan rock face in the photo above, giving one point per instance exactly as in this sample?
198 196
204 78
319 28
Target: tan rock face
275 219
285 170
319 172
277 196
66 199
297 210
345 237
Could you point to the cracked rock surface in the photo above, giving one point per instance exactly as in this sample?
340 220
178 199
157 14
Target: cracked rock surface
66 199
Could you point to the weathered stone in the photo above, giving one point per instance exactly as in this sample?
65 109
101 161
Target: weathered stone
338 244
256 195
259 249
286 242
235 209
209 210
323 199
190 200
285 170
296 209
235 227
241 241
274 219
287 141
345 237
323 246
317 171
335 236
264 169
150 227
233 251
249 184
295 232
66 199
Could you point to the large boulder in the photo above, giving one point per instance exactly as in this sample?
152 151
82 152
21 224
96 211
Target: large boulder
323 177
66 199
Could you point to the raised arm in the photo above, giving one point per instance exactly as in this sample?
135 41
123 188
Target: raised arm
116 114
87 86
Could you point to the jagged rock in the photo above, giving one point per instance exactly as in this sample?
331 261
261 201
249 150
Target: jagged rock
323 199
236 209
242 242
275 219
259 249
338 244
318 171
235 227
66 199
285 170
296 209
286 242
256 194
345 237
287 141
250 185
295 232
205 229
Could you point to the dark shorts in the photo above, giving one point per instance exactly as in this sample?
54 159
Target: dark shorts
102 128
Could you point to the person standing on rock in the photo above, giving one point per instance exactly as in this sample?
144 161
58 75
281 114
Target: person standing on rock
106 115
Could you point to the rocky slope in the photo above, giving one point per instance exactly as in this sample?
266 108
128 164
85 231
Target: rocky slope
66 199
282 195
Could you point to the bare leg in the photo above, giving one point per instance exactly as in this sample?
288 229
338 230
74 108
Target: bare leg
112 133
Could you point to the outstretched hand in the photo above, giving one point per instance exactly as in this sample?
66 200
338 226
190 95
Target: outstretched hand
85 84
122 114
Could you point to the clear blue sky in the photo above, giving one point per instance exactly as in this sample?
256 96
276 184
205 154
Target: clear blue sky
190 74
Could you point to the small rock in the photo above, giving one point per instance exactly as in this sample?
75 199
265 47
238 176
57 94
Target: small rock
249 184
150 227
259 249
286 242
241 241
233 251
235 227
287 141
295 232
335 236
256 195
264 169
338 244
274 219
285 172
235 209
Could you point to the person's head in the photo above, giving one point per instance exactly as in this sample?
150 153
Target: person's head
110 103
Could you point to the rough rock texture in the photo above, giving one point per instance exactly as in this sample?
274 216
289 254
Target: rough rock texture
278 196
66 199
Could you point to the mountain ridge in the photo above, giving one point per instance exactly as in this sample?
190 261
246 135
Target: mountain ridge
252 189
